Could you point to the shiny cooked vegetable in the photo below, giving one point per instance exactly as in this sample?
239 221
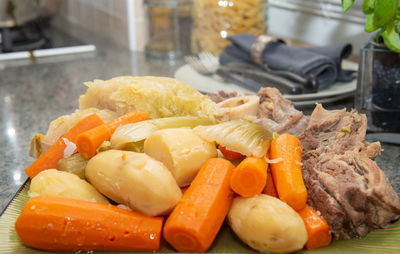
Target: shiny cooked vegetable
88 141
131 136
150 182
52 182
135 180
239 136
249 177
74 164
196 220
317 228
267 224
181 151
63 224
50 158
287 173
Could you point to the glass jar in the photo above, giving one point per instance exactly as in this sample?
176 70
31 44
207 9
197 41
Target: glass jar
169 24
215 20
378 88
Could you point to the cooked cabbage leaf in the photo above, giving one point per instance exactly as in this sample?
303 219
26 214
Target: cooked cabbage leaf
240 136
157 96
131 136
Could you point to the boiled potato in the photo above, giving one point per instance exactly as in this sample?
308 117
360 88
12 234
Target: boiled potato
52 182
181 151
267 224
135 180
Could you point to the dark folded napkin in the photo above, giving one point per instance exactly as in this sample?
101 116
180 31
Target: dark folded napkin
323 63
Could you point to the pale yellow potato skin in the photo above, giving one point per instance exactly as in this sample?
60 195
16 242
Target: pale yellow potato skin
267 224
52 182
135 180
181 151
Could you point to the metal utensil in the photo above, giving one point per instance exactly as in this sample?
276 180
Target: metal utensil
204 63
250 76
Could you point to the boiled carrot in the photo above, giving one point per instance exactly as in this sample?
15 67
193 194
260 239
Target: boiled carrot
50 158
270 186
286 173
89 141
62 224
228 154
317 228
249 177
184 189
197 218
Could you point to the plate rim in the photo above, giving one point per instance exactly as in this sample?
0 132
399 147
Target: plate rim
186 74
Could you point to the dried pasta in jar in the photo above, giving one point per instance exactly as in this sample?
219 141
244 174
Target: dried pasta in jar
214 20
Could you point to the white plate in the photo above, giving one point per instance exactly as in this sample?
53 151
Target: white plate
213 84
321 100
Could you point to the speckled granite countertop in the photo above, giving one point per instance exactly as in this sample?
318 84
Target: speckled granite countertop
34 93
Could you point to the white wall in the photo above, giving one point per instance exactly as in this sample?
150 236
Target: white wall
317 22
112 19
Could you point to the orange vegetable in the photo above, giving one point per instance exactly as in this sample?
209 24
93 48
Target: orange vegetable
62 224
270 186
317 228
249 177
50 158
287 175
196 220
184 189
89 141
230 155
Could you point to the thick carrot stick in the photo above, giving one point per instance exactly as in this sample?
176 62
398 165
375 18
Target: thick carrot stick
230 155
184 189
50 158
89 141
196 220
249 177
317 228
61 224
287 175
270 186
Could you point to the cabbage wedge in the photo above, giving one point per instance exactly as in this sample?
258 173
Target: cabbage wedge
240 136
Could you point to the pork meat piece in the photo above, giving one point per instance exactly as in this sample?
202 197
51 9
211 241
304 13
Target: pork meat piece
221 96
343 182
278 114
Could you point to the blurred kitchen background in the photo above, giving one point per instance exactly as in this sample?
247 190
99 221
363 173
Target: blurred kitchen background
166 25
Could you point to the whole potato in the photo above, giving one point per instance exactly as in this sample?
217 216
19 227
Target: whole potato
52 182
134 179
181 151
267 224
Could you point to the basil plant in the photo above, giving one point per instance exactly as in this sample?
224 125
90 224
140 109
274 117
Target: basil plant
382 16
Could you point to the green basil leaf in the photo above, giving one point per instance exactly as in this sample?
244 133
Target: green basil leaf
369 23
368 6
391 38
384 12
346 4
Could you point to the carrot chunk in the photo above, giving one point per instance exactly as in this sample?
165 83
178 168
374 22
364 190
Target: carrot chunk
317 228
287 175
50 158
196 220
90 140
270 186
62 224
249 177
228 154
